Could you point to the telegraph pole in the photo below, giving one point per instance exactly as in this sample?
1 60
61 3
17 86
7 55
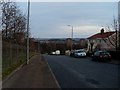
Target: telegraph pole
28 16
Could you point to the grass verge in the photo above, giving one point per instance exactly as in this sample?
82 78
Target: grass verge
7 71
11 68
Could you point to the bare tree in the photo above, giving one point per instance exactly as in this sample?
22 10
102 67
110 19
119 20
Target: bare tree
7 18
113 40
13 21
0 16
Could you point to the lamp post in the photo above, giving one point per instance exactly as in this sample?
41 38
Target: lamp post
119 25
27 61
71 36
38 46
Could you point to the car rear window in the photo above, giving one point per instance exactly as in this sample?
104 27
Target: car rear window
105 53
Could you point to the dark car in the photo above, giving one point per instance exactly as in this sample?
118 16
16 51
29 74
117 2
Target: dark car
72 54
101 56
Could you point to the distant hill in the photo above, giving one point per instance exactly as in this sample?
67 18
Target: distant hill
56 39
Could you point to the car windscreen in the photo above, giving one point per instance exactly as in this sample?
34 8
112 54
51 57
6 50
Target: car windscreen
105 53
80 51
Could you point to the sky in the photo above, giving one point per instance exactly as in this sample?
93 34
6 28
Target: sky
51 19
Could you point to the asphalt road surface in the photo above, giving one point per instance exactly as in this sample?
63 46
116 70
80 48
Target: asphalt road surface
83 72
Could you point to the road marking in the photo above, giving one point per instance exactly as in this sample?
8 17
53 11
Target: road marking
52 74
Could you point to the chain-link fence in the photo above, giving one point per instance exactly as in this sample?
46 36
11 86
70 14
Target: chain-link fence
12 55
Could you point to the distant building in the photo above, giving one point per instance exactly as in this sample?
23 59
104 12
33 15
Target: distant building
83 43
57 41
69 43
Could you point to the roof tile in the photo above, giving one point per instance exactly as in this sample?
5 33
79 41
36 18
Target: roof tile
99 35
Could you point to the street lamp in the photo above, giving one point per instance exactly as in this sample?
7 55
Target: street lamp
71 36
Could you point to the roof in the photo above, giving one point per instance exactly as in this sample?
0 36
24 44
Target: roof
99 35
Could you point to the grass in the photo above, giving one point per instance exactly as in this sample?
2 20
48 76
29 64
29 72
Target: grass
8 70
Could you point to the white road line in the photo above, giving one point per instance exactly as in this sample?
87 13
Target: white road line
53 75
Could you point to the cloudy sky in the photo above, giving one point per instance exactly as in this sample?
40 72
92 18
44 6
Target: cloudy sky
50 19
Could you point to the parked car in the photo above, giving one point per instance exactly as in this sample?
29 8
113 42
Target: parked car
52 53
101 56
57 52
72 53
78 53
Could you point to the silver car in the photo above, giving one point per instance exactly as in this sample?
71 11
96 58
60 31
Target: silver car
79 53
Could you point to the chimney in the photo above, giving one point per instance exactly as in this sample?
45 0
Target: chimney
102 31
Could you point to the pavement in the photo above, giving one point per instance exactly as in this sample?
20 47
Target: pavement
36 74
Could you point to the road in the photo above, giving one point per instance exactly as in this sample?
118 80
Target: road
83 72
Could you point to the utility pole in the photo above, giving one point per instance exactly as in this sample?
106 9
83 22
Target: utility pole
28 16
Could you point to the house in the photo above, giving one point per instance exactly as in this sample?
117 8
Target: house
103 41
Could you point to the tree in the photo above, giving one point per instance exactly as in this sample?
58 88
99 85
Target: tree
0 16
8 13
114 39
13 22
